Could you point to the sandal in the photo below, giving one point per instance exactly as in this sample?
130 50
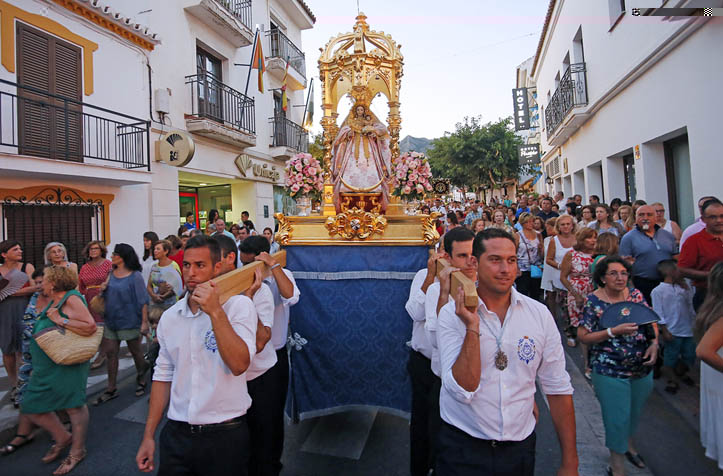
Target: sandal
55 450
635 459
10 447
140 389
105 396
98 362
69 463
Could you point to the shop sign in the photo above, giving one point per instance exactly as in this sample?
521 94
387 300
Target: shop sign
529 154
522 109
175 148
244 164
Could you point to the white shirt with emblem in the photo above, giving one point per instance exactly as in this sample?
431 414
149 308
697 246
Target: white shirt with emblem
264 360
500 408
415 308
203 389
280 330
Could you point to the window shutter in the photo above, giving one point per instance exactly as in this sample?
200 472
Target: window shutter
49 126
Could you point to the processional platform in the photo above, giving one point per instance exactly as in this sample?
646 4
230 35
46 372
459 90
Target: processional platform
349 330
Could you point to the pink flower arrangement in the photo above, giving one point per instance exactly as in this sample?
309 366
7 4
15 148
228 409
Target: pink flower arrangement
304 176
412 176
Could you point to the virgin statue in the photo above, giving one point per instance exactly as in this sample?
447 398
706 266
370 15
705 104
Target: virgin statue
361 159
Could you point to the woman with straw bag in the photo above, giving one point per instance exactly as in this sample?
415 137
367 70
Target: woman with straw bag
60 387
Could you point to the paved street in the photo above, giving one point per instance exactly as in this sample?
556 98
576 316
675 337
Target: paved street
366 442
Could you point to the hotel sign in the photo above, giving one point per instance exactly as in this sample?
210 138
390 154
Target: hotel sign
522 109
244 164
529 154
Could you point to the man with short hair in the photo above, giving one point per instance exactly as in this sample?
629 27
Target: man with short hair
645 246
244 216
473 214
522 206
703 250
205 348
546 211
594 200
577 198
490 357
243 233
286 294
697 225
190 221
560 200
221 228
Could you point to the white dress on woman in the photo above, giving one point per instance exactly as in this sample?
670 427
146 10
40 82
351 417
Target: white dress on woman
711 409
560 253
548 272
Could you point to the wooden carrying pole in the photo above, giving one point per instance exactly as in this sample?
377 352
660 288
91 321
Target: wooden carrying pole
239 280
459 279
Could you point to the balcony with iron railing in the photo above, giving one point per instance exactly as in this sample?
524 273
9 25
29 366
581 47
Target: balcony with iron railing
288 137
36 123
282 50
571 93
230 18
220 112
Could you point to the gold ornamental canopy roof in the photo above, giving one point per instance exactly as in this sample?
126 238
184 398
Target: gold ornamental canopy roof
361 63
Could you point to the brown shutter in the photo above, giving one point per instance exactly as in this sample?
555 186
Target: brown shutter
49 126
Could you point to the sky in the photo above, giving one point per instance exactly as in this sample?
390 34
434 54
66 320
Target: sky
459 55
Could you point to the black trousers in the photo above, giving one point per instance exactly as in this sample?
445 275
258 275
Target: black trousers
260 421
425 420
277 386
645 286
528 285
459 454
699 297
217 452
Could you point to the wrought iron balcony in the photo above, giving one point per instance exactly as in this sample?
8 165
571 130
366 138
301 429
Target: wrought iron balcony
571 92
289 134
282 47
241 9
211 99
37 123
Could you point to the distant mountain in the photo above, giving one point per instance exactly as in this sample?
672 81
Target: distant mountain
416 144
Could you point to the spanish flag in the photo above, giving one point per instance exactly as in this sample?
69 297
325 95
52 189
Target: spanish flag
284 98
258 62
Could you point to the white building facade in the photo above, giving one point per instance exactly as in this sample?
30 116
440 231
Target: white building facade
628 103
88 87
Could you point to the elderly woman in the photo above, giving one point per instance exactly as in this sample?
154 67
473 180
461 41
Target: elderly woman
529 254
576 278
621 359
56 255
60 387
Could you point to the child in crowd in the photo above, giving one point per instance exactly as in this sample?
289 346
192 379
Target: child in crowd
673 301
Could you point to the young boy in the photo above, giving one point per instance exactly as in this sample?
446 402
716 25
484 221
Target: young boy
673 301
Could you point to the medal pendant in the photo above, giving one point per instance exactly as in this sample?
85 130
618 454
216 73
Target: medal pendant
501 360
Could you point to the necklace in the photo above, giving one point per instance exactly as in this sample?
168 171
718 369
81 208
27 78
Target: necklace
500 356
610 299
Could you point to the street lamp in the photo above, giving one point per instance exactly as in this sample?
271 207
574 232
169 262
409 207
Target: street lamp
549 181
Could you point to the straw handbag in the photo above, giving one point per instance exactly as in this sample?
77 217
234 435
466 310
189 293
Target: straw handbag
65 347
97 305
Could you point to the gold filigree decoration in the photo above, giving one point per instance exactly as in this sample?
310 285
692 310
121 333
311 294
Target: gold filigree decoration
429 231
356 223
284 234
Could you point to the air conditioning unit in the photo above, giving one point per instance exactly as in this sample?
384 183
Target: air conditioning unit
162 100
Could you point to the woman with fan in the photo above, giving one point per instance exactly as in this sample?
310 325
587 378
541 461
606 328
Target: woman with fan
60 387
621 358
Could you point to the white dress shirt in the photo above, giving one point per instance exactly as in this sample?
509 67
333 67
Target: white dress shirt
674 305
430 324
264 360
203 389
500 408
415 308
280 330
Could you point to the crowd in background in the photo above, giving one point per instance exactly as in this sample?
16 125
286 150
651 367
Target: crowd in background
580 258
124 292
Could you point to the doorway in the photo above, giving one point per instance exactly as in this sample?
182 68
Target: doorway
680 183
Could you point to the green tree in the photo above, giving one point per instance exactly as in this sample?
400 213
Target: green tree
316 146
477 154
